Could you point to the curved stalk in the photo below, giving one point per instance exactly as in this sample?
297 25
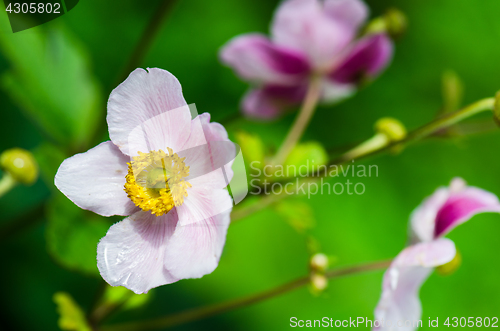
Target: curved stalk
220 308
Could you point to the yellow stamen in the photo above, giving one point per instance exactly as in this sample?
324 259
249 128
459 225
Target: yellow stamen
155 181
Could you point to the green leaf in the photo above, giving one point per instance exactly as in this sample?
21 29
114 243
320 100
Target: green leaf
253 150
73 234
50 80
71 316
298 214
310 155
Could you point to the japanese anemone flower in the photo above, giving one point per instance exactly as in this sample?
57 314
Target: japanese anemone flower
164 170
308 38
440 213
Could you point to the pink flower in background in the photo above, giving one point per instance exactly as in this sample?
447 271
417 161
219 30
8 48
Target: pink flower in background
440 213
160 169
308 37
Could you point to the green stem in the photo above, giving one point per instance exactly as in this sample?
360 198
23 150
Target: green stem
147 38
220 308
377 145
305 114
6 183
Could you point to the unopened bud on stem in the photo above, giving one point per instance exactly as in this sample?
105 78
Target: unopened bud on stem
20 165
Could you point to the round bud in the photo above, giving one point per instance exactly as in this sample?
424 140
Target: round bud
20 164
318 282
319 262
396 22
391 128
450 267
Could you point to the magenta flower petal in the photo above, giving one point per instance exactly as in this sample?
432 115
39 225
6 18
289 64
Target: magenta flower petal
404 278
145 98
450 207
368 57
462 206
94 178
352 13
132 252
257 59
196 246
271 101
305 26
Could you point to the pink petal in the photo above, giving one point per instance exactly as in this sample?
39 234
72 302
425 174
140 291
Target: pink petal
449 207
462 206
132 252
304 25
404 278
352 13
196 246
271 101
367 59
255 58
138 112
94 180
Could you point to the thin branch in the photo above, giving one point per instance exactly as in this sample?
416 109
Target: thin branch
147 38
220 308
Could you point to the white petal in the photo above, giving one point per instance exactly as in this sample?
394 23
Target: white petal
132 252
95 180
143 96
402 282
195 248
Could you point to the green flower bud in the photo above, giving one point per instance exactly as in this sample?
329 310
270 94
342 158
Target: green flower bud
396 22
450 267
391 128
20 164
319 283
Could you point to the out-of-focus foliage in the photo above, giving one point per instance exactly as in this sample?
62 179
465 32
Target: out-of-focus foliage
119 295
49 78
72 318
298 214
253 150
73 234
305 158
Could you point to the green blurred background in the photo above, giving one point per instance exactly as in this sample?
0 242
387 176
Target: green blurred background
56 79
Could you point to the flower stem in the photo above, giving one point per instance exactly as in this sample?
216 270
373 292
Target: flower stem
148 37
220 308
373 146
376 144
301 122
6 183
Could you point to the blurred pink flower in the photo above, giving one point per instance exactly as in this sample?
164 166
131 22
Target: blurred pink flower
160 170
447 208
308 37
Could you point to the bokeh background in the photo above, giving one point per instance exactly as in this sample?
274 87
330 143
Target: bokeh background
55 82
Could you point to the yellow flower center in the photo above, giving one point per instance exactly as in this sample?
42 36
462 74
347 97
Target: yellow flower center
155 181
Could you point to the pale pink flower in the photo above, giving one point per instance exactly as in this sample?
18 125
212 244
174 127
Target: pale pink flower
447 208
308 37
167 173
